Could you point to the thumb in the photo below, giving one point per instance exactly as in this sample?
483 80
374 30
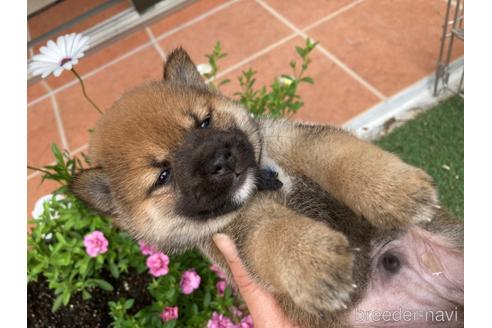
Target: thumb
263 307
247 287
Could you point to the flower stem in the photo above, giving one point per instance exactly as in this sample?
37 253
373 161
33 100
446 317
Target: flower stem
83 90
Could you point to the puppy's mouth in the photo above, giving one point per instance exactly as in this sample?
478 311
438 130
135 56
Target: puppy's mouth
242 188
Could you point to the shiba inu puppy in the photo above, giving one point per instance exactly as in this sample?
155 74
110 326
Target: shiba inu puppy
307 205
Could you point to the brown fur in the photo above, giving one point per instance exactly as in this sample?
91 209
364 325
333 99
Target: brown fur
299 242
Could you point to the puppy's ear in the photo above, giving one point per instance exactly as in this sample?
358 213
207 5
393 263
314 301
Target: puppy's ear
92 187
180 69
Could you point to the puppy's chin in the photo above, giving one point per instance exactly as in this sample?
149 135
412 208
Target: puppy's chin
207 209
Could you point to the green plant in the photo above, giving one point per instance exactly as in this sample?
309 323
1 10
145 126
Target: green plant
282 98
56 247
213 59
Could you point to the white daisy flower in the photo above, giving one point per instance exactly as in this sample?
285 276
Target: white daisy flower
204 68
55 57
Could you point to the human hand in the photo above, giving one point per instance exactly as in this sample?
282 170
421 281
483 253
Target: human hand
262 306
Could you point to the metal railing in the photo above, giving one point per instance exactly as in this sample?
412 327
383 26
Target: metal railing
453 31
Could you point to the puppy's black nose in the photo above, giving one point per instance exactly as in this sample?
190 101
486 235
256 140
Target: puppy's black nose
222 162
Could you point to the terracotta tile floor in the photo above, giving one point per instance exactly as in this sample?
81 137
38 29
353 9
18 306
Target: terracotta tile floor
369 50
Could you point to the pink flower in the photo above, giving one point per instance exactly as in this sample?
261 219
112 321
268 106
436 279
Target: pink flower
146 249
218 271
221 286
169 313
190 280
95 243
246 322
236 312
158 264
219 321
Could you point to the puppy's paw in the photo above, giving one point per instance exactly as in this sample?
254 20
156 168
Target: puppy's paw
319 273
406 195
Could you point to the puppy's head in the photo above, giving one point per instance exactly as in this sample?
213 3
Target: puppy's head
172 159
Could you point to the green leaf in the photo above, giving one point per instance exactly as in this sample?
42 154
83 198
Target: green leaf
66 297
169 294
206 299
57 153
103 284
84 264
114 269
99 259
225 81
308 79
57 303
194 309
171 324
129 303
86 295
60 238
34 271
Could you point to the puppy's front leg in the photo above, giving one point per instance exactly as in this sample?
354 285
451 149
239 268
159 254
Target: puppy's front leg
294 256
370 181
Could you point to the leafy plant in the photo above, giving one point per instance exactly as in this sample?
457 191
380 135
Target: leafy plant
213 59
56 247
282 98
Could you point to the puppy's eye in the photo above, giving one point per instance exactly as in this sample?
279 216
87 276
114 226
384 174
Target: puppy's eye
164 177
391 263
206 122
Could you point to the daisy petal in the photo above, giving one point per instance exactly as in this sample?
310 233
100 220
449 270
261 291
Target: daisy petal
44 59
49 53
60 42
70 43
58 71
53 47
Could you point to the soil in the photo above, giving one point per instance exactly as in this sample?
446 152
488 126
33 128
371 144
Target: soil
93 312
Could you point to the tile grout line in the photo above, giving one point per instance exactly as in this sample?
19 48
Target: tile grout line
154 43
137 49
256 55
325 52
196 19
332 15
58 119
284 40
79 150
33 175
353 74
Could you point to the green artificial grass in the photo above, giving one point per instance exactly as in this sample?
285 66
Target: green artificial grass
434 141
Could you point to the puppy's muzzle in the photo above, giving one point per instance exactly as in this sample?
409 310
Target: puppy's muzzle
213 165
